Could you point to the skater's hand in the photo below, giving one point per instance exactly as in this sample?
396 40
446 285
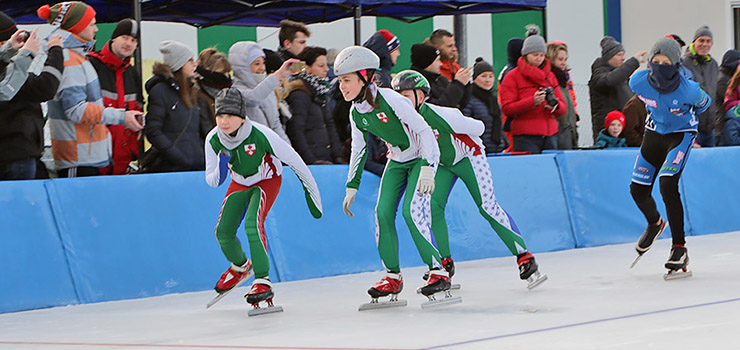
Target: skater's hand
426 180
349 198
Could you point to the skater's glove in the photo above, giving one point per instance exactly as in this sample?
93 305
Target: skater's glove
349 198
224 157
426 180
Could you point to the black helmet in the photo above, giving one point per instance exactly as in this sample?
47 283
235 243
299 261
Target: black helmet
411 80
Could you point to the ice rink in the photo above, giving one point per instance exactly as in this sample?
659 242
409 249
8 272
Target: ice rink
592 300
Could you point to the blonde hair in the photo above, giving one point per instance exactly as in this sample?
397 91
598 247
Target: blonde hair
553 49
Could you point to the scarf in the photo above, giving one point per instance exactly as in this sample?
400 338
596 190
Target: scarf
664 78
320 86
232 142
489 99
212 79
561 75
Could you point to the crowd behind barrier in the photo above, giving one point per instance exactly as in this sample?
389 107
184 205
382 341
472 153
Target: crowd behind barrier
95 245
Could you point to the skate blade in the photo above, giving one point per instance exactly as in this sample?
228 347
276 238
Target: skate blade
382 305
639 256
536 280
448 300
220 296
455 286
264 310
672 275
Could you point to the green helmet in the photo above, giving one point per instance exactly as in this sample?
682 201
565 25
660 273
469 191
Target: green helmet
411 80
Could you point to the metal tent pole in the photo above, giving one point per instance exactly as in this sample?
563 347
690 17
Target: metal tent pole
459 27
358 22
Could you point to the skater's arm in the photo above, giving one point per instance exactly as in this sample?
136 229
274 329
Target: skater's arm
217 165
285 153
358 156
700 100
459 123
408 115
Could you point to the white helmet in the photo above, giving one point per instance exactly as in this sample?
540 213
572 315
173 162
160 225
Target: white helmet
354 59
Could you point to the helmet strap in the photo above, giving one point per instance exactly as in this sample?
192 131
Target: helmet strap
367 79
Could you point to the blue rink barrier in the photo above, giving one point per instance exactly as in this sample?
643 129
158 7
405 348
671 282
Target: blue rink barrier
121 237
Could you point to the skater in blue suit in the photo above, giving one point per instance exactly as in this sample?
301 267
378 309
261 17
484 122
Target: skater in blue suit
673 104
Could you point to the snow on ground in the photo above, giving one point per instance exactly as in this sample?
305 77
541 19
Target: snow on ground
592 300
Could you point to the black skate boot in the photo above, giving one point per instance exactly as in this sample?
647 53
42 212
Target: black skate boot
529 271
261 291
448 264
677 263
391 284
439 281
652 232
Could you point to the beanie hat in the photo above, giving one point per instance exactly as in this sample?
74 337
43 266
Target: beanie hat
7 27
612 116
243 53
422 55
126 26
534 43
176 54
514 50
72 16
481 66
390 40
610 47
730 59
702 31
230 101
272 61
677 38
667 47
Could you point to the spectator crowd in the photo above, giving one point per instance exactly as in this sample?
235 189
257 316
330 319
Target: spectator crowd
99 119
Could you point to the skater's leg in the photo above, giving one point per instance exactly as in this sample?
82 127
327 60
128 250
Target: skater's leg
261 198
651 156
444 180
417 213
232 212
391 183
669 175
475 172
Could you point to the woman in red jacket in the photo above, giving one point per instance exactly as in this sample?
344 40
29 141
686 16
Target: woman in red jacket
531 96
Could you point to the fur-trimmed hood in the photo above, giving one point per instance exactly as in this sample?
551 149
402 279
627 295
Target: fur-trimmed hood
162 74
295 84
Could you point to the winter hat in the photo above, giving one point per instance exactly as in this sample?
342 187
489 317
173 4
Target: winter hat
272 61
534 43
610 47
730 59
702 31
422 55
243 53
667 47
481 66
176 54
390 40
677 38
514 50
230 101
612 116
7 26
126 26
72 16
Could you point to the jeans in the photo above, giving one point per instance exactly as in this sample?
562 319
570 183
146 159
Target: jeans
534 144
19 170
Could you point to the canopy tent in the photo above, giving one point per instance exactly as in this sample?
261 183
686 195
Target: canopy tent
268 13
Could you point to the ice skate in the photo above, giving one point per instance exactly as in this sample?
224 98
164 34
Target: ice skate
677 264
232 278
649 236
391 284
261 291
438 282
529 271
449 265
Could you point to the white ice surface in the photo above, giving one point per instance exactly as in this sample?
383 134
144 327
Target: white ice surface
591 301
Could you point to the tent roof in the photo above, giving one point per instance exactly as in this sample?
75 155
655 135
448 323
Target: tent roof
268 13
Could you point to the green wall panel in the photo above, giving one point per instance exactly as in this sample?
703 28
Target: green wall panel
505 26
105 30
222 37
408 34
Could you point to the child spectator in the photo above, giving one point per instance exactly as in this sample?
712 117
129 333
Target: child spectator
609 135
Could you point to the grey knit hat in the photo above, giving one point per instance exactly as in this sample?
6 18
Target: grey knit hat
481 66
230 101
610 47
534 43
176 54
702 31
667 47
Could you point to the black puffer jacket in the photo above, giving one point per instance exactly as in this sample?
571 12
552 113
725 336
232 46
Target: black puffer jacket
726 69
311 128
445 93
609 89
21 119
168 116
493 136
377 44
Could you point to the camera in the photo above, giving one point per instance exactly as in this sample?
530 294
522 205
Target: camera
25 35
298 67
550 96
